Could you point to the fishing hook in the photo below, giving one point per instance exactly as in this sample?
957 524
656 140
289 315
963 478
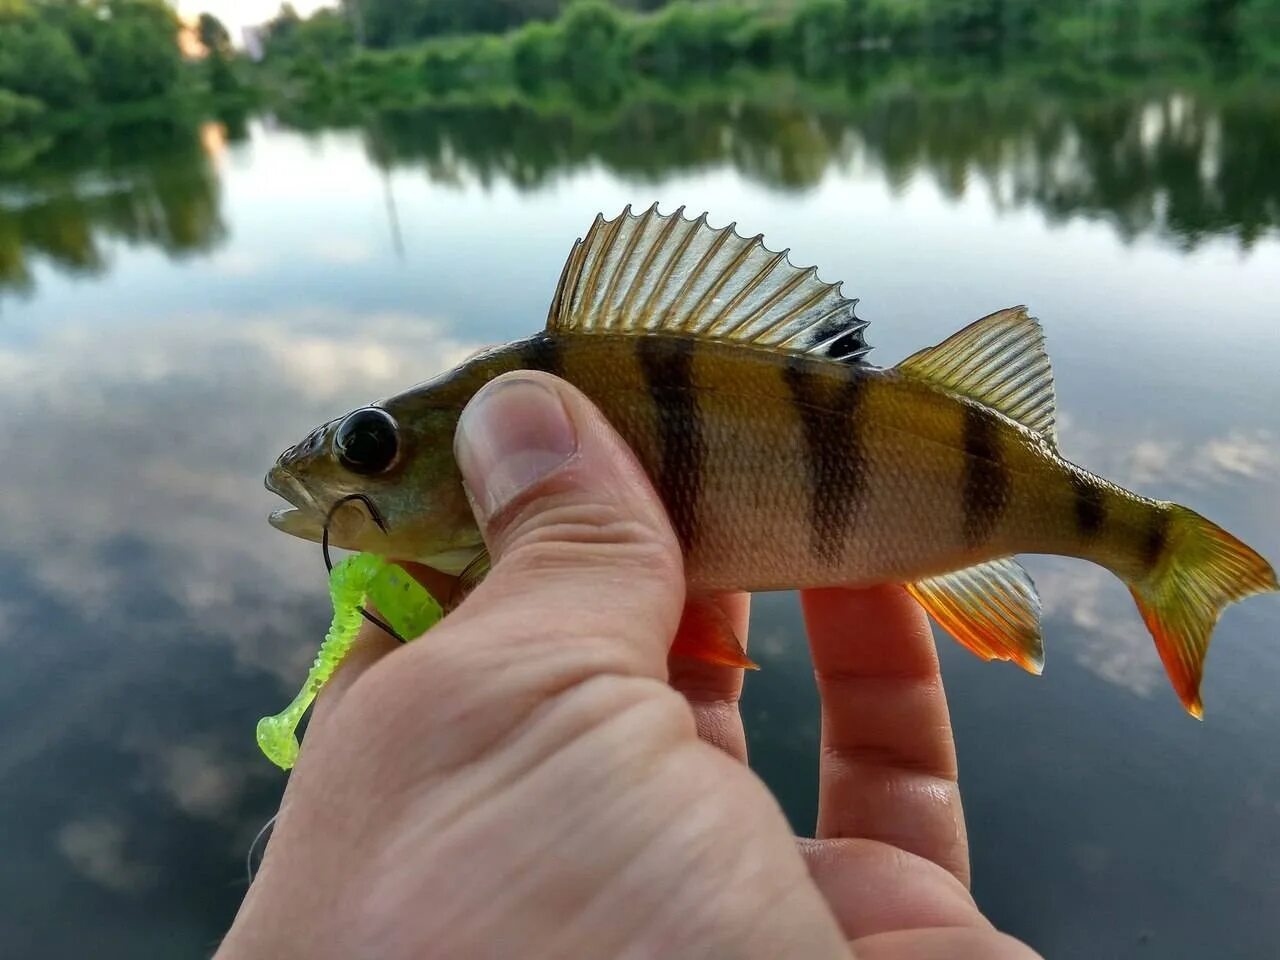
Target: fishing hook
469 578
376 516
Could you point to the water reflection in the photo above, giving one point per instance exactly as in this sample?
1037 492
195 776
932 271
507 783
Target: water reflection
148 614
1181 163
1172 163
63 198
148 622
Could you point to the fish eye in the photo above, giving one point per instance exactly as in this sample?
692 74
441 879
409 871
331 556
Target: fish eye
367 441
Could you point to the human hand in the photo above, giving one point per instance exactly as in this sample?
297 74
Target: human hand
891 856
522 780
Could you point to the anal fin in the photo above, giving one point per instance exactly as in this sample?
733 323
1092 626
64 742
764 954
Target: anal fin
993 609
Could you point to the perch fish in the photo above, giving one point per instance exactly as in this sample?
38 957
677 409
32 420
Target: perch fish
786 460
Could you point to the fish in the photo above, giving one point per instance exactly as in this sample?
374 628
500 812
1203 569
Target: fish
786 459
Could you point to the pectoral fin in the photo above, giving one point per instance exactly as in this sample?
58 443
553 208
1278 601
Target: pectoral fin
706 634
993 609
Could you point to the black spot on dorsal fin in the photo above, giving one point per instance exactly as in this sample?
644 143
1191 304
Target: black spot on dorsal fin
841 338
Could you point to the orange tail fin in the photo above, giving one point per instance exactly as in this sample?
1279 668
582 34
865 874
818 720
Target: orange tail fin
1202 569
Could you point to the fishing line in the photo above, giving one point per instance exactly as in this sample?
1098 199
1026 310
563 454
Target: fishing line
261 837
328 561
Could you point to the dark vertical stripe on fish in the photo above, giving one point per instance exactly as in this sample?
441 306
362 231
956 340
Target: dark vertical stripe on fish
986 476
542 353
667 363
834 454
1155 538
1090 505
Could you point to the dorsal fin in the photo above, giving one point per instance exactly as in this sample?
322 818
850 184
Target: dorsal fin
651 273
1000 361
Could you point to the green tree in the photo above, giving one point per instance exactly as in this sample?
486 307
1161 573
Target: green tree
282 31
685 38
38 60
1220 19
537 52
222 74
213 34
394 22
16 109
136 52
818 33
594 48
327 36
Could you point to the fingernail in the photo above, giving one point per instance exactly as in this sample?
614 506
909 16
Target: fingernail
513 433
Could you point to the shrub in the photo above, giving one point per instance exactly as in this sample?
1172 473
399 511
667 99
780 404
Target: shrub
16 109
38 60
595 48
684 38
818 37
537 51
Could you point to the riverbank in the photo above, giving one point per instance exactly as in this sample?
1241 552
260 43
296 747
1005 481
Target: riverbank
598 55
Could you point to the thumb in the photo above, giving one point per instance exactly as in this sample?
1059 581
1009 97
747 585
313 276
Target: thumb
583 551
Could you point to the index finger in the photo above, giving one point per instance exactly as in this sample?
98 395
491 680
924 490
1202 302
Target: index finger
888 769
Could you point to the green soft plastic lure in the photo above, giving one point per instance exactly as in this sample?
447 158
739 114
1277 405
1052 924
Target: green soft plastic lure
407 607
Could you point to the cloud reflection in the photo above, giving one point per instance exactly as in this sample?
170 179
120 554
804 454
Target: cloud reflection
1110 639
164 431
1238 455
1107 634
200 779
150 614
96 849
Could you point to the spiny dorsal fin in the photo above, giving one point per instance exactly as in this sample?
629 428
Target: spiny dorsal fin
993 609
651 273
1000 361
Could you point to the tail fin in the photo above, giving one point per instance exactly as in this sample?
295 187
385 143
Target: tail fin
1202 569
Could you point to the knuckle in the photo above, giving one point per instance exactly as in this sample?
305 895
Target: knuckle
634 703
561 535
600 697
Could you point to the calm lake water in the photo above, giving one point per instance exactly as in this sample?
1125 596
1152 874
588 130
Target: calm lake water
180 301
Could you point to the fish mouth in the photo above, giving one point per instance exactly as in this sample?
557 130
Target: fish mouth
302 517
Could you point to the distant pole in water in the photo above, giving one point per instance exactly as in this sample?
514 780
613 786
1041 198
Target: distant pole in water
381 157
397 242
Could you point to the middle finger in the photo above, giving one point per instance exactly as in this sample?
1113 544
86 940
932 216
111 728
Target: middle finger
713 691
888 757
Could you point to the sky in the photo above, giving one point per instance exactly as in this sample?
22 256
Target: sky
242 13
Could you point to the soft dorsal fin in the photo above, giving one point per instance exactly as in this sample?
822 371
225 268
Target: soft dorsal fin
1000 361
993 609
650 273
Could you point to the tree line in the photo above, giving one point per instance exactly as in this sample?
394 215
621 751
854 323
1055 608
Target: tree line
60 55
382 24
375 49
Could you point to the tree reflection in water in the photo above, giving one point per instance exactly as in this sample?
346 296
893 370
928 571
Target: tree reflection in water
1180 161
